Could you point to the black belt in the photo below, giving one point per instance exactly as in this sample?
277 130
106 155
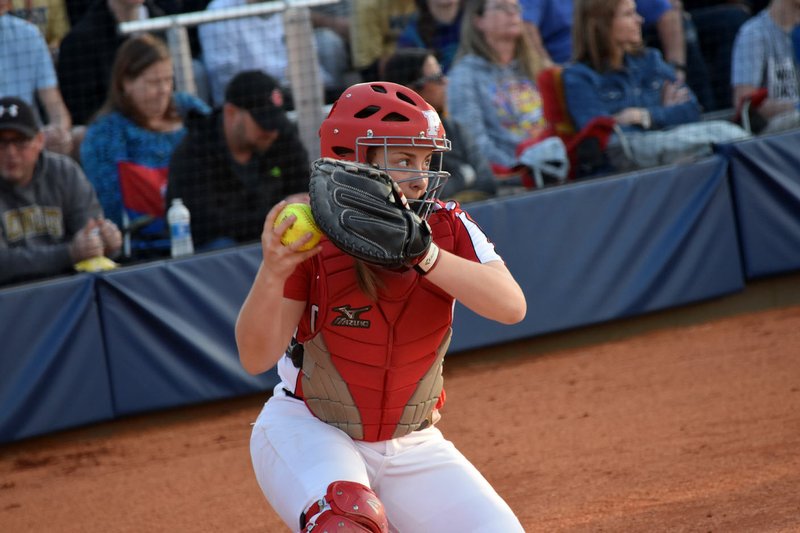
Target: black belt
290 394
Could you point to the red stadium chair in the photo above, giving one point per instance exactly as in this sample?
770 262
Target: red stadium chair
585 148
143 225
747 114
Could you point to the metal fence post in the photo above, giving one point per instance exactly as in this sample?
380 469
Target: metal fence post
304 76
178 42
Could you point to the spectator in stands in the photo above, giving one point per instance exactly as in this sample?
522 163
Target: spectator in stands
176 7
375 27
471 177
717 23
87 53
50 16
616 75
49 215
26 71
549 26
549 22
664 20
335 17
670 29
259 43
130 142
235 164
491 90
763 56
436 26
76 9
332 35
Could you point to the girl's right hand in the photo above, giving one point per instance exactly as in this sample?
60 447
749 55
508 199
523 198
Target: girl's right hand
281 260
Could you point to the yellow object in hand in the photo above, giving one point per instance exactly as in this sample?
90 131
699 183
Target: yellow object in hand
303 224
95 264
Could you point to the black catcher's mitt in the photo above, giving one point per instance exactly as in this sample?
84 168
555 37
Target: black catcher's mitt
364 213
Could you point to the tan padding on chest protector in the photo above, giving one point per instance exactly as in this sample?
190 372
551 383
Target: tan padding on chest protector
325 392
419 408
328 397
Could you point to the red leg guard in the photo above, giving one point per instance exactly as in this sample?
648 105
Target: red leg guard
348 507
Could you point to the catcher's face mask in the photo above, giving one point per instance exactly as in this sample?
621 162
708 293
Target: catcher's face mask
383 115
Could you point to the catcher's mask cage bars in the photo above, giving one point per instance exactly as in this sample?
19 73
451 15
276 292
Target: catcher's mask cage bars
437 178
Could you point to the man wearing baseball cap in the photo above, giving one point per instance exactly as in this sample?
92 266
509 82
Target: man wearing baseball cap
236 163
50 218
259 95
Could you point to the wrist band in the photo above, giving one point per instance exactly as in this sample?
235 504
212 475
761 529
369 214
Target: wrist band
429 261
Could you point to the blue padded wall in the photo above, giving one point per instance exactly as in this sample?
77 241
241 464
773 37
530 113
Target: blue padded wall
53 372
765 176
88 348
169 330
611 248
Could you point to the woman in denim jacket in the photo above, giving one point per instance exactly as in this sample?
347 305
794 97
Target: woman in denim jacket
615 75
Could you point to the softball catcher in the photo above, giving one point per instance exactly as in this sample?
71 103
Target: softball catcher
348 441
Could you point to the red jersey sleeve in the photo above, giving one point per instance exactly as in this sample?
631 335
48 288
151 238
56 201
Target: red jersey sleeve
298 285
469 240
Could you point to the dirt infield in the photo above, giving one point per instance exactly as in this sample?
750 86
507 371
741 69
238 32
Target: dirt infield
685 424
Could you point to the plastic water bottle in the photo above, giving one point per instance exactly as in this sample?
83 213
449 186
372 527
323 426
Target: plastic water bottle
180 229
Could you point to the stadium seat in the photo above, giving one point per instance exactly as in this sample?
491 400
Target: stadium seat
747 115
143 224
586 147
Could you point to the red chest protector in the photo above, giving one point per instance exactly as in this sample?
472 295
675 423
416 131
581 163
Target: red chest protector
373 369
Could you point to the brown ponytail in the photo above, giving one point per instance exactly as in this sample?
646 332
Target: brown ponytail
368 281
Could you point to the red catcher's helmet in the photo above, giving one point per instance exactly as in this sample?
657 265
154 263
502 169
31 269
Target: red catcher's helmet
386 114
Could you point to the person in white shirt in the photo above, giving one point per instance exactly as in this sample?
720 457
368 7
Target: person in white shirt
257 43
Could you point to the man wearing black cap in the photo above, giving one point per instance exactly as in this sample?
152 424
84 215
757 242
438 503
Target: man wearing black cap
236 163
50 218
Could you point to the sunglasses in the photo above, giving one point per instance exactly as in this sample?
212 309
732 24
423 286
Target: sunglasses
424 80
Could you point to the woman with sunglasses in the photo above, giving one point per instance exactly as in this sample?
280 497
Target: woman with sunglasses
348 441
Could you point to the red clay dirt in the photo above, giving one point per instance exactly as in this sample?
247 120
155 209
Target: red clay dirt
688 426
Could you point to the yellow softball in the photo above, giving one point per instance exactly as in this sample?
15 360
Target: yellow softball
303 224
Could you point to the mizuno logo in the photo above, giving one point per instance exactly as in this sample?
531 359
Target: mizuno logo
350 318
